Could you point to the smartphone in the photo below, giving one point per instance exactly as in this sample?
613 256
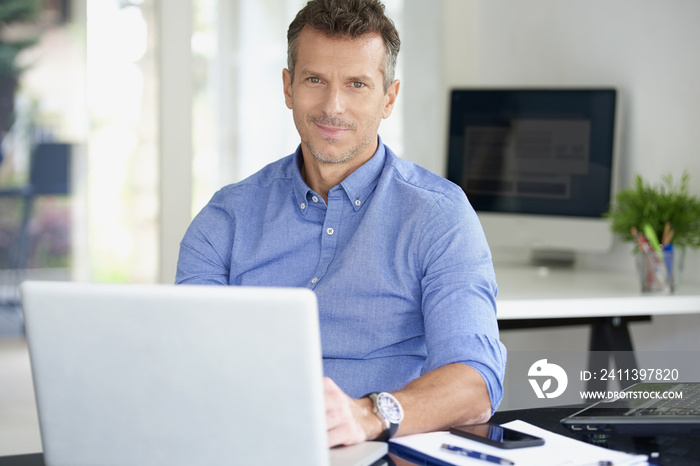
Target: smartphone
497 436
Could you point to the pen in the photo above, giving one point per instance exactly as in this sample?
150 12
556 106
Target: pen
667 237
476 454
652 238
657 269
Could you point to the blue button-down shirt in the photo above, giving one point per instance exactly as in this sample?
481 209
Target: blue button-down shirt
397 259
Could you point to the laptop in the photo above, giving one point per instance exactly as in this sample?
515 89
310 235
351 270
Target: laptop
179 375
645 409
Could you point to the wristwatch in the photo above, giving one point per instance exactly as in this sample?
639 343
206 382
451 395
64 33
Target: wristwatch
389 411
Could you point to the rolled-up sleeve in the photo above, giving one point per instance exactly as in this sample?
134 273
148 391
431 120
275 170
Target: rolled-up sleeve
459 294
205 250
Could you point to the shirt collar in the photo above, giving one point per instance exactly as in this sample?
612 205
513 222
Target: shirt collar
358 185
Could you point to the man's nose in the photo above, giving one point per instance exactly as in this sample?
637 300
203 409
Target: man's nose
334 101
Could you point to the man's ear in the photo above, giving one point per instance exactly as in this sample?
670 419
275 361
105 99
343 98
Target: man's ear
287 87
391 94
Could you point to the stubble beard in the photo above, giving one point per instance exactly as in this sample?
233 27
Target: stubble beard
336 123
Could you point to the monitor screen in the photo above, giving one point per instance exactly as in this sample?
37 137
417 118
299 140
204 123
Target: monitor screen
546 153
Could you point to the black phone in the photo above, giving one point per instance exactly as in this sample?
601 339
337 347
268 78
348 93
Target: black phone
497 436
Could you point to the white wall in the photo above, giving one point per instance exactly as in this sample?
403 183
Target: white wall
645 48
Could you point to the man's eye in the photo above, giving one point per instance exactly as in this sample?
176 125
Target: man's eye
314 80
358 85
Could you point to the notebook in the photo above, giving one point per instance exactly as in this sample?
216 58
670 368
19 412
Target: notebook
644 409
179 375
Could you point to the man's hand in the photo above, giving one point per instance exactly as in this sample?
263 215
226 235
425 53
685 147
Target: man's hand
452 395
349 421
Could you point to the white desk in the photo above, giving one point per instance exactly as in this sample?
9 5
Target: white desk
524 292
531 297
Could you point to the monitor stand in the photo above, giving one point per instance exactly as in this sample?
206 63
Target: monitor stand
535 258
552 258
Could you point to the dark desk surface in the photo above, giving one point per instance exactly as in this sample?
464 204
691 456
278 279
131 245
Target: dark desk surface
34 459
663 450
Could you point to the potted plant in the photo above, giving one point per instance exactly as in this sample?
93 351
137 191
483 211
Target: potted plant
664 216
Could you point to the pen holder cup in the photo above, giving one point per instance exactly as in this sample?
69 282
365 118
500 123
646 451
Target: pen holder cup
660 272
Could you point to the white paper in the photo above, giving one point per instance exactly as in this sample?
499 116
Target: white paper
557 450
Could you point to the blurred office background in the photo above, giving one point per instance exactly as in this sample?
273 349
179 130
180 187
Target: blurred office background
158 104
161 103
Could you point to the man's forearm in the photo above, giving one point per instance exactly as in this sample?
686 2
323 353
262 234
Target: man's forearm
455 394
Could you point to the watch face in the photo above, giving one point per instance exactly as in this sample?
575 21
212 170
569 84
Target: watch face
390 408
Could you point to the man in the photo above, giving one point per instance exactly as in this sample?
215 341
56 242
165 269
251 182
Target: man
394 253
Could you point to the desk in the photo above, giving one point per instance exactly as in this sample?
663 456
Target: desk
525 292
32 459
666 450
672 450
531 297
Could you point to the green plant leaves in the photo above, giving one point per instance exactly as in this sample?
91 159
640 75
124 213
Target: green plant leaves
668 202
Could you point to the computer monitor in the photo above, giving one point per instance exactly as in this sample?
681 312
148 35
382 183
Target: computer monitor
537 165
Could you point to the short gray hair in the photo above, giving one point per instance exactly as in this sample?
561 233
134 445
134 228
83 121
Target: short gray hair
348 19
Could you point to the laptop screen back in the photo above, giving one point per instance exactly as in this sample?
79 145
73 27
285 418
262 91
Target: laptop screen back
160 374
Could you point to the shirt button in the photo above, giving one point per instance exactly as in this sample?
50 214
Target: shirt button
330 231
358 202
303 206
315 199
314 280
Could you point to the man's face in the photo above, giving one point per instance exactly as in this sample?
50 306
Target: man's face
337 97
